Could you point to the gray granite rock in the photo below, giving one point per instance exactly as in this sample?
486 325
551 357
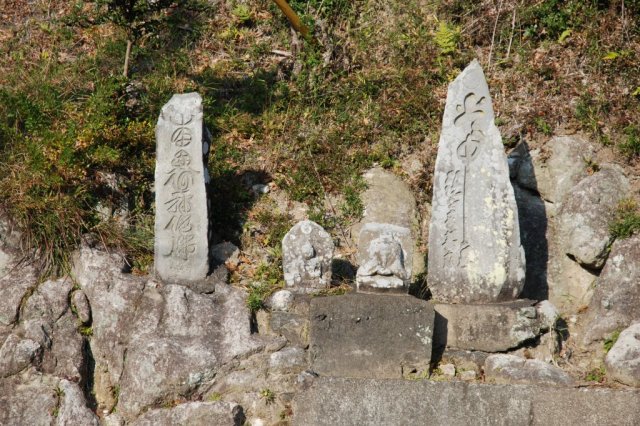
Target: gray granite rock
585 215
16 354
288 360
361 335
389 200
559 168
505 368
29 400
307 250
194 414
13 286
73 408
623 360
281 300
363 402
489 328
182 232
616 300
81 306
475 253
385 255
157 342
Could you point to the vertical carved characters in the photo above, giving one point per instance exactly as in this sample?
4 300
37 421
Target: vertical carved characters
180 180
469 112
182 232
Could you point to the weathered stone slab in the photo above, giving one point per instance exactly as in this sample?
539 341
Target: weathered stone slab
385 256
360 335
182 232
307 250
475 253
489 328
341 401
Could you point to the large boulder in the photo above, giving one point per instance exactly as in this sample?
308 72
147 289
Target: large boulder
154 343
583 223
554 170
616 300
623 360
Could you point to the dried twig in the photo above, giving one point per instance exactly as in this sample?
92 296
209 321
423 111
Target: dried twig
513 27
495 27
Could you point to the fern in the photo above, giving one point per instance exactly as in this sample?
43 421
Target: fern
447 38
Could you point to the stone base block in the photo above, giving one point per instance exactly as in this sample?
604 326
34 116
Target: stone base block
339 401
488 328
360 335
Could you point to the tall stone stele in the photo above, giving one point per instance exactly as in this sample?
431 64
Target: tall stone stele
182 231
475 253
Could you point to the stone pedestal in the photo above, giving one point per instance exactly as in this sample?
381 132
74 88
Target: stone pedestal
360 335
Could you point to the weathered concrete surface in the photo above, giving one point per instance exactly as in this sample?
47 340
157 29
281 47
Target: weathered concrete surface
504 368
182 220
360 335
389 200
340 401
194 414
616 300
475 253
385 255
623 360
583 222
489 328
307 250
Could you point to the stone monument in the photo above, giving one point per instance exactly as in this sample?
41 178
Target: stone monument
307 251
182 231
475 253
385 257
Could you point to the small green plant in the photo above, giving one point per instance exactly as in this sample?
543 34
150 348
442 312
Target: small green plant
86 331
268 395
216 396
631 145
626 220
543 126
243 14
447 37
596 375
611 340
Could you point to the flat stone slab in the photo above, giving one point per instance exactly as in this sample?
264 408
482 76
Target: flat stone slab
361 335
488 328
475 255
340 401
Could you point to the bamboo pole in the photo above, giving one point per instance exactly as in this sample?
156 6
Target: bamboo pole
293 18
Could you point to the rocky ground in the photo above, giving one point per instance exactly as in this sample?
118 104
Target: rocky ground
104 346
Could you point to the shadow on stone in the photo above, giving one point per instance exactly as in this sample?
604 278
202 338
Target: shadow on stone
532 217
343 271
440 330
